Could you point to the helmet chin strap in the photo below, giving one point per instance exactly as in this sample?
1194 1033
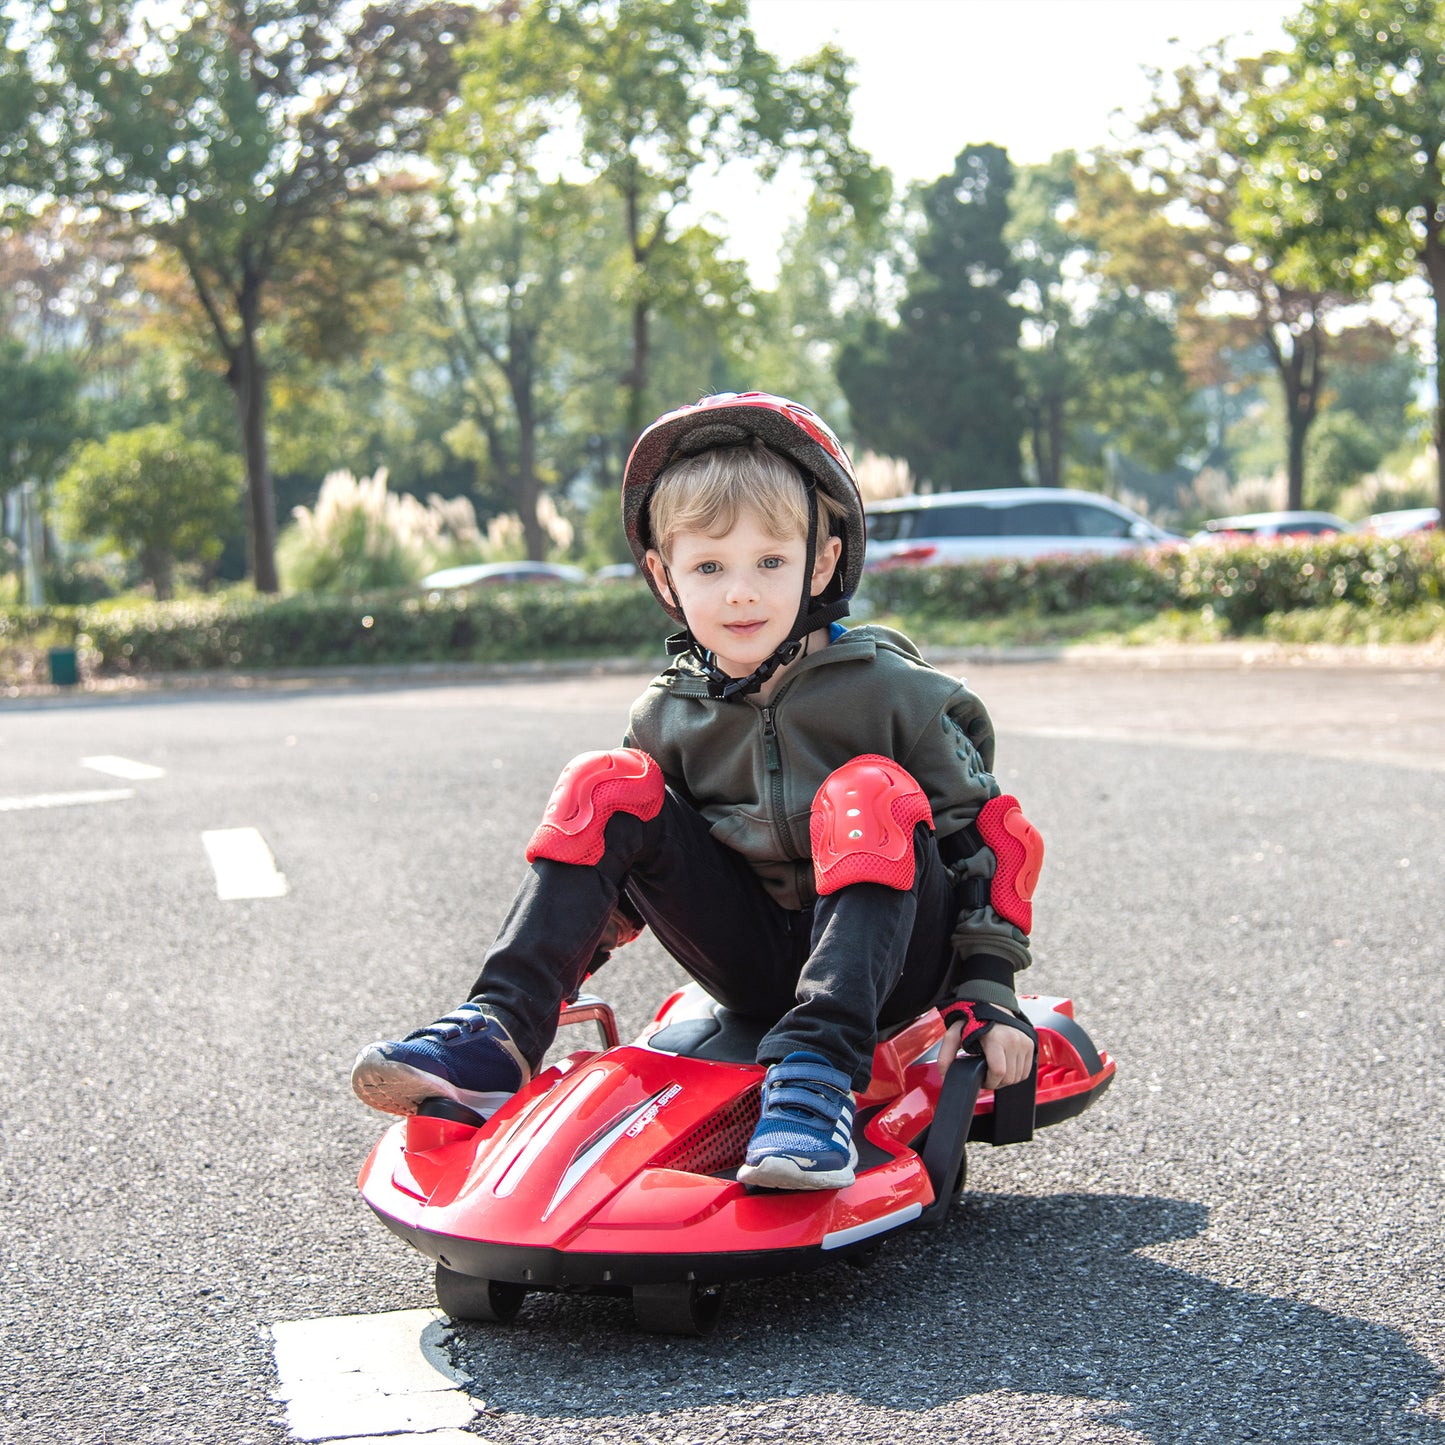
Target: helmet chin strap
721 684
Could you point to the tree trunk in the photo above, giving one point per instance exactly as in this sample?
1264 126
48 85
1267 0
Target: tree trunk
1435 270
637 417
1300 373
1055 414
247 378
1295 460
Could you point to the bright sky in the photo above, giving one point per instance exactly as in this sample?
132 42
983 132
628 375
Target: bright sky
932 76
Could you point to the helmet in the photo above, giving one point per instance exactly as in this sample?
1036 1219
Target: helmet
732 419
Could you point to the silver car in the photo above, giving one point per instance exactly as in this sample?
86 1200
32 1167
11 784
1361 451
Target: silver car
984 526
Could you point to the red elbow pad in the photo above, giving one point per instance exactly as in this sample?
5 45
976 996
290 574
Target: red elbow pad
862 825
1019 851
592 787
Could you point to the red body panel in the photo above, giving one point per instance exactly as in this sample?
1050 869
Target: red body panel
629 1153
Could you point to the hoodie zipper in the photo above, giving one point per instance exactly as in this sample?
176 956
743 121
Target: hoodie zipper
772 756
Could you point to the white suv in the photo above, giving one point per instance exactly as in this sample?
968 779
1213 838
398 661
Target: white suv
1009 522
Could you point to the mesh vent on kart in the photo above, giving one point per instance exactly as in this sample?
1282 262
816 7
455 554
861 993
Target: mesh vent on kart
719 1144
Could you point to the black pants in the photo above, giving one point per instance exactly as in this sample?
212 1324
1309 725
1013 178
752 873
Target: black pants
827 977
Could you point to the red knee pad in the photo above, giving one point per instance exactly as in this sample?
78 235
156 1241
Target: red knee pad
862 825
1019 850
593 787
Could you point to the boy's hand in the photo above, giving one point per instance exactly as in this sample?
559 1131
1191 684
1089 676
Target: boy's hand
1009 1054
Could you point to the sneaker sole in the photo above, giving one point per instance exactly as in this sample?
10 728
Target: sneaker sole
395 1088
778 1171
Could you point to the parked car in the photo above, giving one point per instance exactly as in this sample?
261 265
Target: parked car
489 574
1006 522
1399 524
616 572
1258 526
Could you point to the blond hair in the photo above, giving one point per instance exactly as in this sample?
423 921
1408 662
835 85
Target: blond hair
707 493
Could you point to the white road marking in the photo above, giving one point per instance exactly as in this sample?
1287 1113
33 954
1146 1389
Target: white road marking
123 768
243 864
64 800
357 1377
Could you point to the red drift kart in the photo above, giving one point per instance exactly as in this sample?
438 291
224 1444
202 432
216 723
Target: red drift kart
614 1171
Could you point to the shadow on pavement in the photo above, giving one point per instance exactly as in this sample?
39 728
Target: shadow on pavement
1013 1297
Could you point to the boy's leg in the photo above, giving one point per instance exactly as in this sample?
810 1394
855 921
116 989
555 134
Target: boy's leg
879 955
702 899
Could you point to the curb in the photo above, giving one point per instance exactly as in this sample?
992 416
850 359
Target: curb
1218 656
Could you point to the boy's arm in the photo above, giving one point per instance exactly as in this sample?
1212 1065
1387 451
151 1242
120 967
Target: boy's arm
951 759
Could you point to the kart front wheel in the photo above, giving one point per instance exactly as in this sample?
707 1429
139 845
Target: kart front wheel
677 1309
463 1297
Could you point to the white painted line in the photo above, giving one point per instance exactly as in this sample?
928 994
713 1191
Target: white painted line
123 768
64 800
357 1377
243 864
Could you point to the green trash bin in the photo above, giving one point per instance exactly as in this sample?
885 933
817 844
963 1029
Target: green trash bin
63 669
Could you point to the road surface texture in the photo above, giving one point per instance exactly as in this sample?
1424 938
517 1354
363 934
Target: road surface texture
1243 1241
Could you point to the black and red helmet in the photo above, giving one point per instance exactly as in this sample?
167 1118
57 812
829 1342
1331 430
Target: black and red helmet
732 419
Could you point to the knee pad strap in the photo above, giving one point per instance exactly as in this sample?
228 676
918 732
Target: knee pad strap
1019 849
862 825
592 787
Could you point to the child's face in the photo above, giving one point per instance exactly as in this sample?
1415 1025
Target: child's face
740 592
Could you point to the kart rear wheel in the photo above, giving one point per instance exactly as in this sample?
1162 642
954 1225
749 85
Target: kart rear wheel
677 1309
464 1297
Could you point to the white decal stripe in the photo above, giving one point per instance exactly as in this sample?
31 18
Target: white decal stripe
64 800
243 864
840 1237
360 1377
123 768
584 1161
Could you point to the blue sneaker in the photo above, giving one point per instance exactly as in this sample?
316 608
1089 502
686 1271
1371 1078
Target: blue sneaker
467 1056
804 1139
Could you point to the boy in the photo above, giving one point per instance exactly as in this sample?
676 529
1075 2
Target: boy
803 814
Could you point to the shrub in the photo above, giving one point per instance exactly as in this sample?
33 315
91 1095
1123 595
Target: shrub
489 625
155 496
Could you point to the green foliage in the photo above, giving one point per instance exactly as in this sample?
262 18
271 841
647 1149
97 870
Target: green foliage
497 624
1048 586
1346 589
154 496
1347 147
941 388
1239 585
1246 583
258 146
38 413
656 91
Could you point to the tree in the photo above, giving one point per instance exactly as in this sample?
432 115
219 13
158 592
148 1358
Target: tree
941 389
1347 155
38 420
154 496
257 141
650 93
499 288
834 275
1181 230
1098 366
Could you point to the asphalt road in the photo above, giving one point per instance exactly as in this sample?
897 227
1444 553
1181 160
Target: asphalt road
1242 1242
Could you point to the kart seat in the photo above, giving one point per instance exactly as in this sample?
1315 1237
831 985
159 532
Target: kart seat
705 1029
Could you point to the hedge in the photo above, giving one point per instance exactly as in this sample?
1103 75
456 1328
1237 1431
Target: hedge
488 625
1241 583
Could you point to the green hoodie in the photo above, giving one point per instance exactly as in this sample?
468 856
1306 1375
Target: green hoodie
752 769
